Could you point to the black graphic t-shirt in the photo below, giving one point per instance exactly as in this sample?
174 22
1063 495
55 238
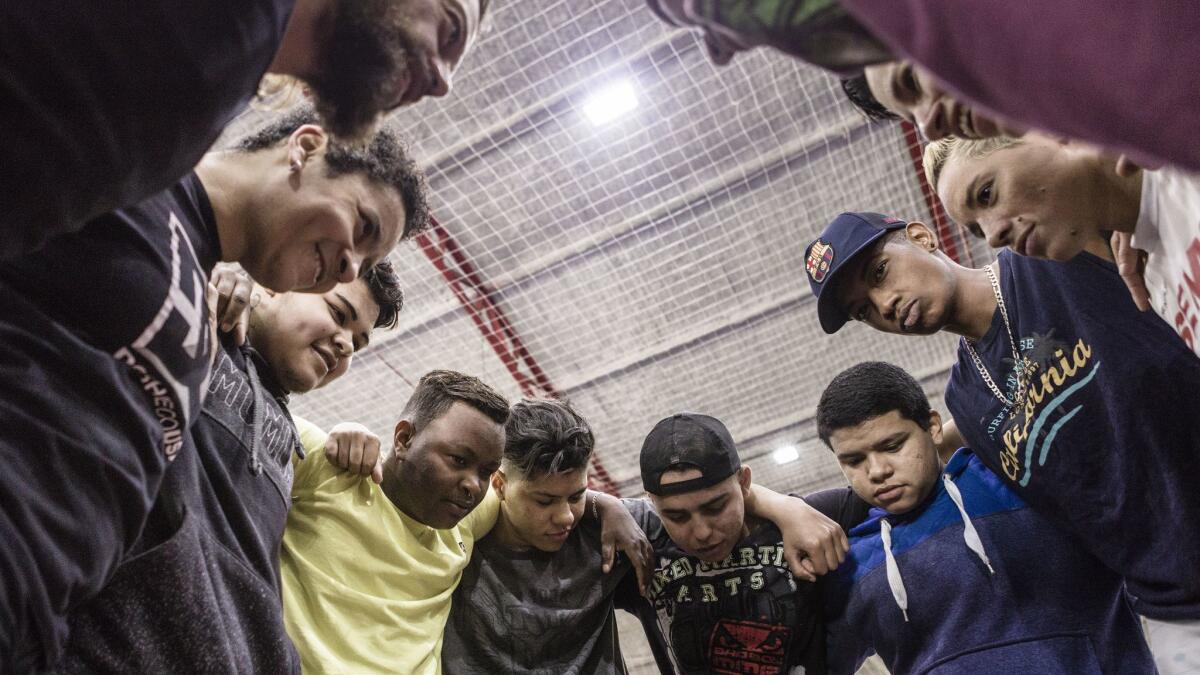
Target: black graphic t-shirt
747 613
107 349
132 283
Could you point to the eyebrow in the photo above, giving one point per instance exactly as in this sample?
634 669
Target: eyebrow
366 336
349 306
971 191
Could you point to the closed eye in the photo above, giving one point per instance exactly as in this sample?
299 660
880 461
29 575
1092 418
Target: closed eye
455 34
338 314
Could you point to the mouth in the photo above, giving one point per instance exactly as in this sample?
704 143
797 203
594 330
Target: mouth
910 316
326 358
559 536
889 493
410 88
1025 245
708 551
964 123
318 266
461 508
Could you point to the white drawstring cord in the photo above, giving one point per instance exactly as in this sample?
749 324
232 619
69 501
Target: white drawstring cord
895 582
969 533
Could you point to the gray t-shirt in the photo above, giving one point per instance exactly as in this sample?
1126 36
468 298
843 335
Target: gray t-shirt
536 612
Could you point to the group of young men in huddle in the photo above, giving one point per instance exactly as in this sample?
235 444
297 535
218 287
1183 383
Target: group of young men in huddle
203 529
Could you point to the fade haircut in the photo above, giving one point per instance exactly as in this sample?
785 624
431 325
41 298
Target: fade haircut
439 389
386 292
938 153
383 159
859 93
545 437
866 391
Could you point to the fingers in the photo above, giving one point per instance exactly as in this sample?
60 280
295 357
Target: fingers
644 567
606 556
353 448
235 297
377 473
799 565
1131 263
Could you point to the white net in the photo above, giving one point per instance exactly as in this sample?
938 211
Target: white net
647 265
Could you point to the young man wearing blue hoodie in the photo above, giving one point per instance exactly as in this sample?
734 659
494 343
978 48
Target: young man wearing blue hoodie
952 571
1086 407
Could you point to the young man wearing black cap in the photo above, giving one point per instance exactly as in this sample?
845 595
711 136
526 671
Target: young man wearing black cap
1088 408
953 572
723 599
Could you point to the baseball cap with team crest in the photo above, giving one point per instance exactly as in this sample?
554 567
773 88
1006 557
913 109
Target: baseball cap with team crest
843 239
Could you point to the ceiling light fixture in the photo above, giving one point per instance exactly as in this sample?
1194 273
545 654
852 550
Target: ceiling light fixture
610 102
787 453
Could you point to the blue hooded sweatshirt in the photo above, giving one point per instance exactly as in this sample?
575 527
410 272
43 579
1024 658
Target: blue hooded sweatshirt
974 581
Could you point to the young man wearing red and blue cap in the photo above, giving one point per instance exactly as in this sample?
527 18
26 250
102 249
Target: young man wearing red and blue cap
723 598
953 572
1086 407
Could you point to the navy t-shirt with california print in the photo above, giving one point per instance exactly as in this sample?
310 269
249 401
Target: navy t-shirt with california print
107 350
1107 443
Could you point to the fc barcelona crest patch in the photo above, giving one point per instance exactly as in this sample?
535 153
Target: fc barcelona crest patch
820 257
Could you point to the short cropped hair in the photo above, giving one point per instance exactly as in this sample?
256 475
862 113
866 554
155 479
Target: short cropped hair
439 389
859 93
386 292
383 159
866 391
545 437
938 153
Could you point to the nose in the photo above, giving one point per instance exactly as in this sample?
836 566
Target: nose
342 345
884 303
563 517
347 267
472 485
933 120
878 469
702 531
439 81
999 231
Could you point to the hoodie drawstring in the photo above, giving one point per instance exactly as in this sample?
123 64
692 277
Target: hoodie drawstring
895 582
256 417
969 533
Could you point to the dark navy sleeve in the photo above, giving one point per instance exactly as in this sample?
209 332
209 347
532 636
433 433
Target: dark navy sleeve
841 505
107 103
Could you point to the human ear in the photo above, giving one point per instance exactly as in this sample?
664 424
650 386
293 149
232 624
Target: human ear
935 427
498 483
304 142
402 438
920 234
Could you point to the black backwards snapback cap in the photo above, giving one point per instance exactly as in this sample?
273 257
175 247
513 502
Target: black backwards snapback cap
688 441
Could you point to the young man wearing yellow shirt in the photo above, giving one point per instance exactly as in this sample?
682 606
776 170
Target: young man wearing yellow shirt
368 569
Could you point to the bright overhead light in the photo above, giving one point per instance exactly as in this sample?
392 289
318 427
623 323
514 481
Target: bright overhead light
787 453
610 102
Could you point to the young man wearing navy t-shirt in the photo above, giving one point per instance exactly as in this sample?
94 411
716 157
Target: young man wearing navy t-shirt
1086 407
108 346
953 571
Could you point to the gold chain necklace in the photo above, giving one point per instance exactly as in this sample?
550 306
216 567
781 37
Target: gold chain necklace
1024 367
